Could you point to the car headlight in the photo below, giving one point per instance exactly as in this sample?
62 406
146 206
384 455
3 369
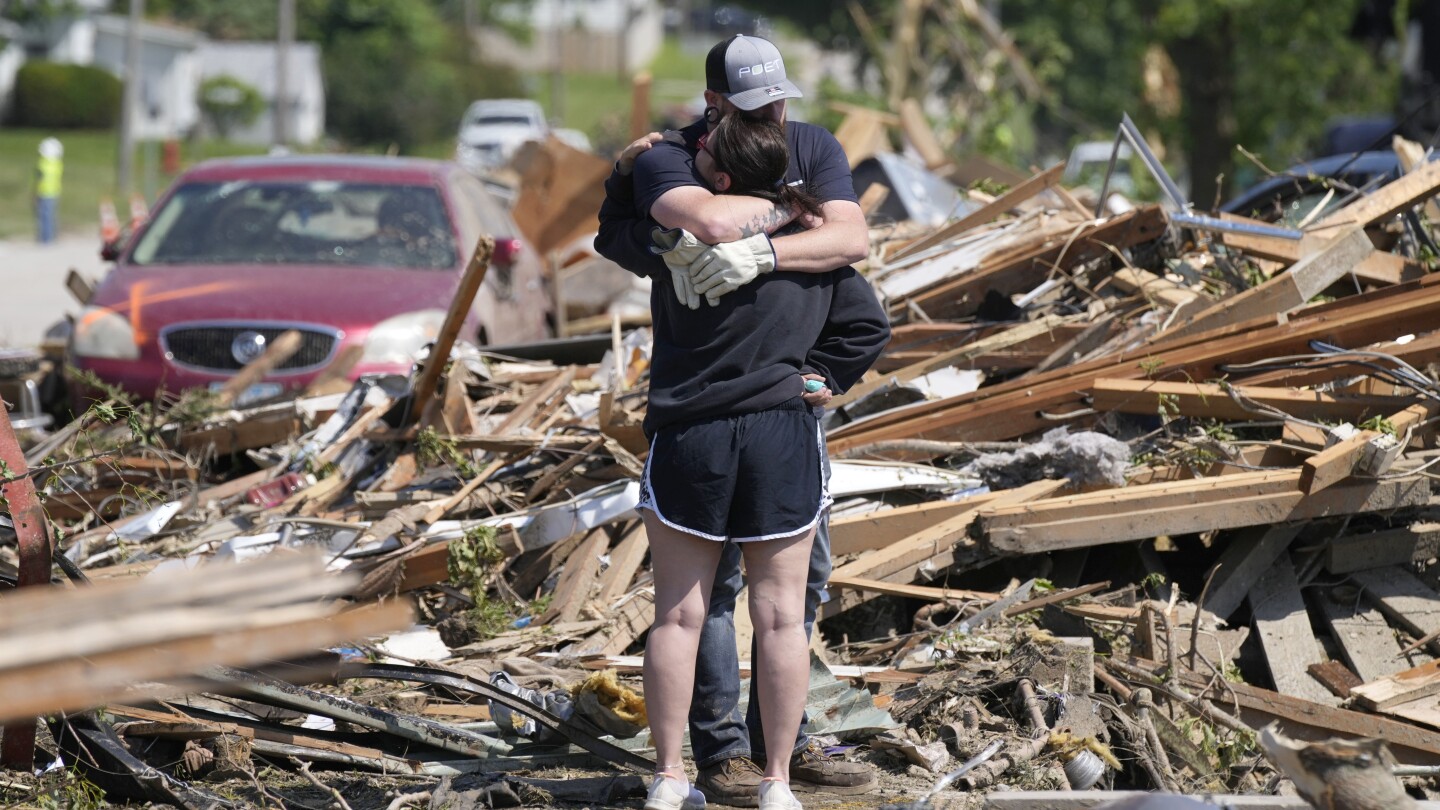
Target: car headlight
400 339
102 332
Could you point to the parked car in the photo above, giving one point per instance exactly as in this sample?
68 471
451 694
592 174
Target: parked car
350 251
492 129
1292 195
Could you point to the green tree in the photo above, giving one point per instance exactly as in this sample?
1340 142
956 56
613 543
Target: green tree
1199 76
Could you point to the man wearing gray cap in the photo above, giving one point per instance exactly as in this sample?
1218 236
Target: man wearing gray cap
745 74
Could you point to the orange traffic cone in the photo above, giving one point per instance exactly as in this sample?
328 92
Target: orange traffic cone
138 211
109 223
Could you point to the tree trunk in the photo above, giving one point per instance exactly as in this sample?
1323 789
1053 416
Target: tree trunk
1206 63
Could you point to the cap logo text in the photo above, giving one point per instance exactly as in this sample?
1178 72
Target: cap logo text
763 67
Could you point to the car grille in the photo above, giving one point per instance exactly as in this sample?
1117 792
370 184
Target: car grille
209 347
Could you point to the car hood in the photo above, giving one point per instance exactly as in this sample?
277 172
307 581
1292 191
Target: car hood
347 298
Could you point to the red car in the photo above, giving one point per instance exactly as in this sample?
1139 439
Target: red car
350 251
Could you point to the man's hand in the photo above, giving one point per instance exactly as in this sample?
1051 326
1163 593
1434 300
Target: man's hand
728 266
626 160
680 248
817 399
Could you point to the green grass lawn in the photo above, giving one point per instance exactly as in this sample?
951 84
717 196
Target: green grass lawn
90 158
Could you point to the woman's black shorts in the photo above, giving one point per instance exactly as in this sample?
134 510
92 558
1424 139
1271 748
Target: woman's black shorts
754 476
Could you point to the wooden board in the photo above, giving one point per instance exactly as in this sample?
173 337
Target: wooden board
1012 409
1211 401
1366 640
1286 291
932 549
1248 554
1402 597
1283 626
854 534
1306 720
1183 513
1400 687
1005 202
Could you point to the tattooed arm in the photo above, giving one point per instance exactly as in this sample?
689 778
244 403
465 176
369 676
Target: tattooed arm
716 218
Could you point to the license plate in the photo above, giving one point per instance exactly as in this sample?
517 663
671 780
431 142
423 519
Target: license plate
255 393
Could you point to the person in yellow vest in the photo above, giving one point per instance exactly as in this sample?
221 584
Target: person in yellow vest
47 188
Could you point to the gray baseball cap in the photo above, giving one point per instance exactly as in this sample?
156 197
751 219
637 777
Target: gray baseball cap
749 72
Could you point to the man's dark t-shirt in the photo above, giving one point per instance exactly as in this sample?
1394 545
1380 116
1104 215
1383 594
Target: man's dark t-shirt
746 353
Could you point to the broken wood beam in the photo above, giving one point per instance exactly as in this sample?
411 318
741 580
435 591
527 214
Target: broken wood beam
1180 507
1339 461
1213 401
1005 202
1286 291
439 356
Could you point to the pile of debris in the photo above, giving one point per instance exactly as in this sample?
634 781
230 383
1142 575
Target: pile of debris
1122 491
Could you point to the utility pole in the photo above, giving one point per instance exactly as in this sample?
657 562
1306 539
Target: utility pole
285 39
131 98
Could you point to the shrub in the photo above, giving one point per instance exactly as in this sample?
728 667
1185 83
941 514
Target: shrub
51 95
228 102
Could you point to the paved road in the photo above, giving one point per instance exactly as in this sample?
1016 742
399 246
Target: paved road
32 284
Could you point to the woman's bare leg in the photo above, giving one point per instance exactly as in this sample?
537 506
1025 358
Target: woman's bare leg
776 571
684 567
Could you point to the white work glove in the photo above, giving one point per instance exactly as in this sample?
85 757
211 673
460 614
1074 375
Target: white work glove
679 248
729 266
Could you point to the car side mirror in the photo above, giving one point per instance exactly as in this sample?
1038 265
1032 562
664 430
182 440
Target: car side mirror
110 251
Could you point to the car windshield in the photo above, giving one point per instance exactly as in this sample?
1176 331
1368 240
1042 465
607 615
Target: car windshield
308 222
502 120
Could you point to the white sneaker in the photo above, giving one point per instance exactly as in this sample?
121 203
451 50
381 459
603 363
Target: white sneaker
668 793
776 795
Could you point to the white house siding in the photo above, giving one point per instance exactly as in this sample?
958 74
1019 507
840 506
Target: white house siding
255 64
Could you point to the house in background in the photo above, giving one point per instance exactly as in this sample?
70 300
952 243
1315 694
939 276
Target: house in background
579 36
173 63
256 64
169 71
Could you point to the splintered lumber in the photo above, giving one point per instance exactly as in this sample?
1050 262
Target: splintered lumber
1247 555
1287 291
910 591
1005 202
454 319
1153 287
928 551
853 534
1401 687
1357 552
1366 640
1213 401
1302 718
1402 597
1283 625
627 621
66 650
1017 408
625 560
1027 267
959 357
1179 507
582 570
1338 462
1386 201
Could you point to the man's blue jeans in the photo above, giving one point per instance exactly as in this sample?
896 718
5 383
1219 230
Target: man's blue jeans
45 219
717 730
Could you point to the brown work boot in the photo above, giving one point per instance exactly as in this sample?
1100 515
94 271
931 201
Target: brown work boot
811 770
734 781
